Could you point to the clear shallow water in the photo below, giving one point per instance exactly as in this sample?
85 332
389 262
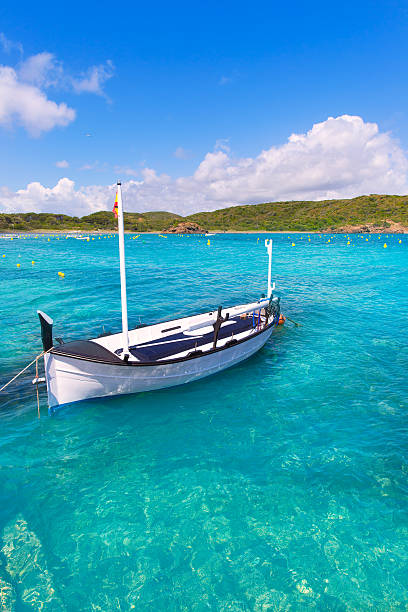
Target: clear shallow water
278 484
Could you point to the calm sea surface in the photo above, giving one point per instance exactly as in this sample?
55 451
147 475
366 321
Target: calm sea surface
280 484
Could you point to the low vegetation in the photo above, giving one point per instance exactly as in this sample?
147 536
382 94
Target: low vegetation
272 216
103 221
308 216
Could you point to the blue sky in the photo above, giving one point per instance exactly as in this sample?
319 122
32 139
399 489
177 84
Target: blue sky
176 82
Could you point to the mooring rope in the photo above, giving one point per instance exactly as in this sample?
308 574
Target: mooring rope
294 322
26 368
36 378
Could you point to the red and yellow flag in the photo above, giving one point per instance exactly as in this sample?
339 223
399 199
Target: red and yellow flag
115 206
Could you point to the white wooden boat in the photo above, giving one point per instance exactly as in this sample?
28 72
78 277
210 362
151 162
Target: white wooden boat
156 356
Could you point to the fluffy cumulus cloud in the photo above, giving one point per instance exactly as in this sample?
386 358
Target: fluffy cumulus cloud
23 89
63 197
340 157
27 105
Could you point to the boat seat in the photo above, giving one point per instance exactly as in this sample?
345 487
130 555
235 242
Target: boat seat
180 342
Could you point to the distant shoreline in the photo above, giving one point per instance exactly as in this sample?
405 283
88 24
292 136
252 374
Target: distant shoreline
374 213
106 233
214 232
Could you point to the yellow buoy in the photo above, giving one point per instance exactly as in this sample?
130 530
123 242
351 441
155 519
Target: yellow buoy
385 245
18 265
61 274
208 243
399 242
3 255
33 262
293 244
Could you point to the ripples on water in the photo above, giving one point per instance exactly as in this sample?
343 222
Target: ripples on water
278 484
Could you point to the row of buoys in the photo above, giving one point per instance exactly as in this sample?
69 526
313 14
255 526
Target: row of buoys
60 274
346 236
348 243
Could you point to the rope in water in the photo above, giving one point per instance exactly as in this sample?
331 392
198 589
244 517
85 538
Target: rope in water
36 378
294 322
24 369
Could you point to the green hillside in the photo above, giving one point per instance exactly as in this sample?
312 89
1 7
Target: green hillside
308 216
104 220
272 216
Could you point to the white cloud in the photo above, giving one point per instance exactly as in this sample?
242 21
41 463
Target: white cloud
222 144
96 166
340 157
62 198
182 153
91 166
43 70
62 164
27 105
127 170
9 45
23 99
93 80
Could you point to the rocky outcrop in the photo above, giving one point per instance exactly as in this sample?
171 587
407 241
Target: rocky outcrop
185 227
386 227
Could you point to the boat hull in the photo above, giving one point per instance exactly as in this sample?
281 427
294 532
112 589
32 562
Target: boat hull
71 379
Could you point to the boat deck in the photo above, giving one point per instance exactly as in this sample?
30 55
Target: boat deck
176 339
182 343
185 343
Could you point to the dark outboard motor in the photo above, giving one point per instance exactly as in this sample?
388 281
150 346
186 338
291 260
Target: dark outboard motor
46 330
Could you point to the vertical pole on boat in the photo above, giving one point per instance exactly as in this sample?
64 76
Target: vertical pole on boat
268 244
122 274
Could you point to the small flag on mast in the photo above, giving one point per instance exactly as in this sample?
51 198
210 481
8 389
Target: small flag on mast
115 206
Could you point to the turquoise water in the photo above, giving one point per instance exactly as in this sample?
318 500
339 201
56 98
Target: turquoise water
280 484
